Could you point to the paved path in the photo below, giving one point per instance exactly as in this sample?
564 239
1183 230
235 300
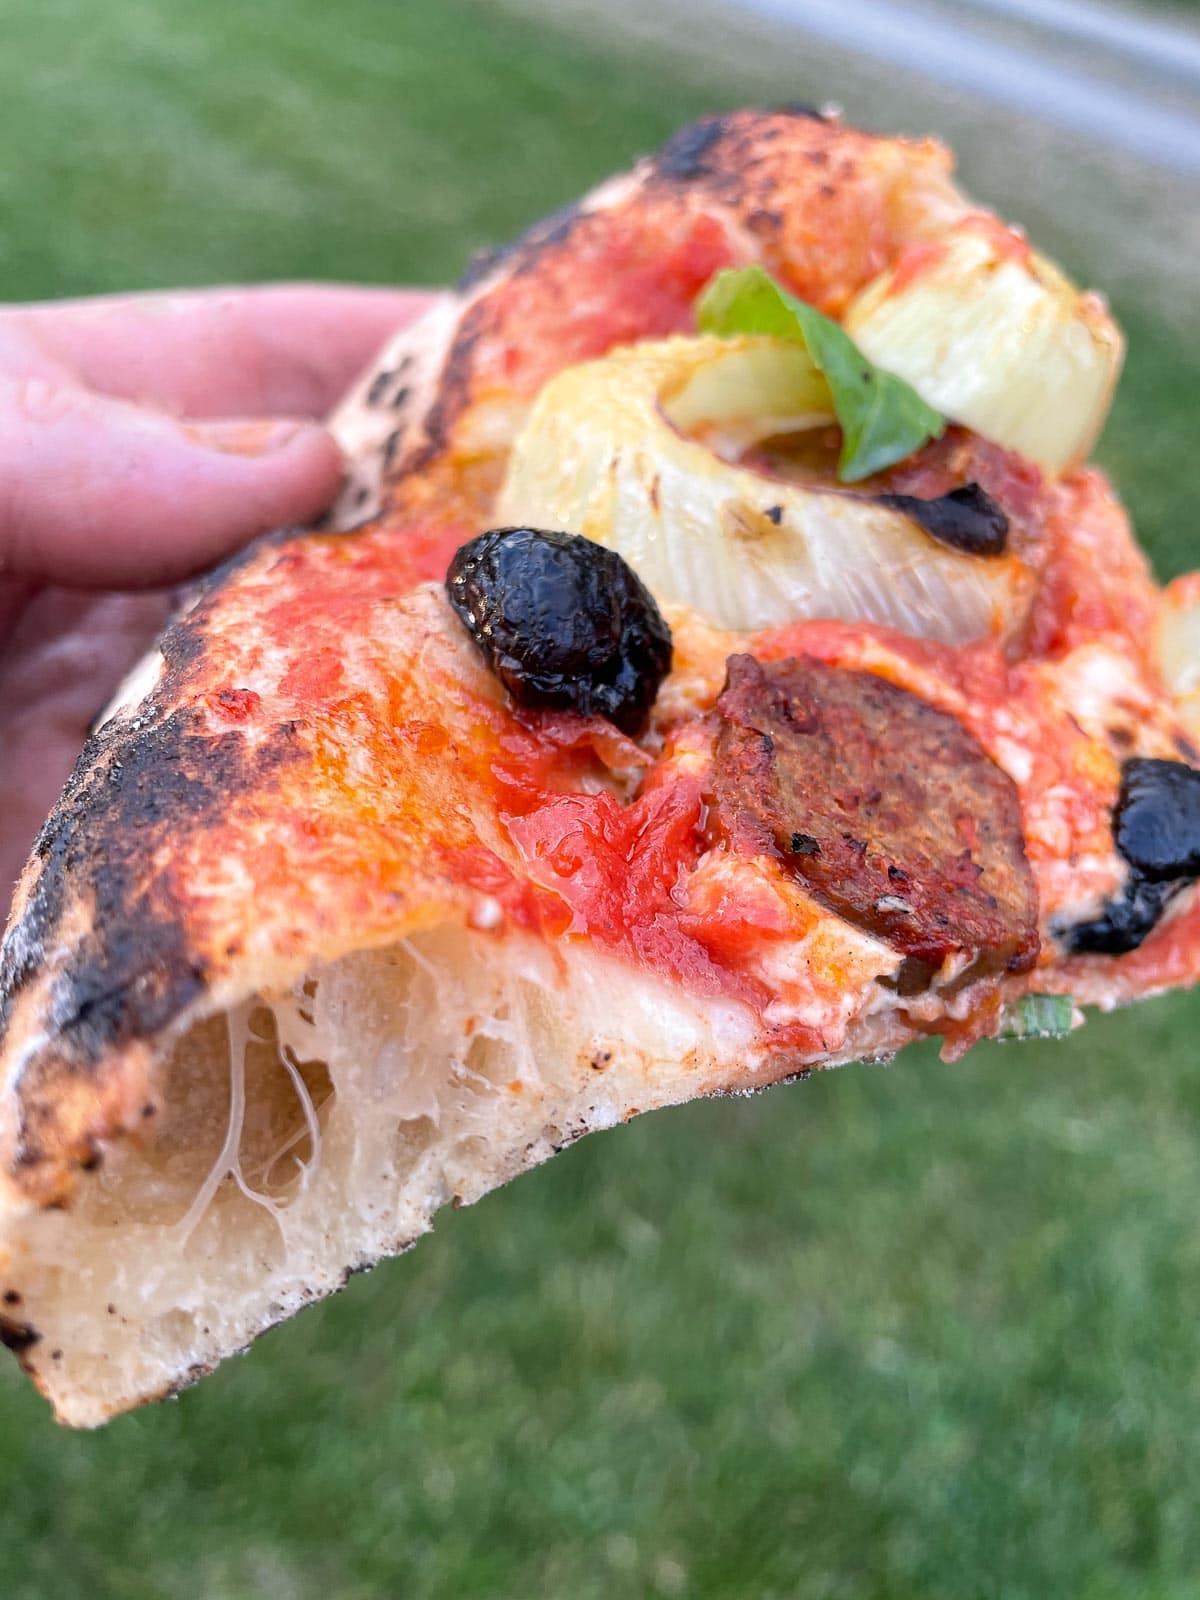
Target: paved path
1164 44
1129 82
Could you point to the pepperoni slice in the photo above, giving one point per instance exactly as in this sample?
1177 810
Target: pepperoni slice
886 808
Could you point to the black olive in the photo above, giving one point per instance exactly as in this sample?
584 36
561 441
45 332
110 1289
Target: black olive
1157 820
1125 920
1156 827
966 519
563 622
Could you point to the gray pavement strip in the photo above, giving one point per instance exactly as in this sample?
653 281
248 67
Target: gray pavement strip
1162 45
1022 78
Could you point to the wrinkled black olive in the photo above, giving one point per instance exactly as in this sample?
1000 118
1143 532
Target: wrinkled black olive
1156 828
966 519
1125 920
1157 820
563 622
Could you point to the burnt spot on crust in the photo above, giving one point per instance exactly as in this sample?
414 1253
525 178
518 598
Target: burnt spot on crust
454 389
552 231
19 1337
728 159
712 148
131 972
135 969
746 161
481 266
683 157
379 386
523 251
386 389
182 642
885 808
697 150
105 857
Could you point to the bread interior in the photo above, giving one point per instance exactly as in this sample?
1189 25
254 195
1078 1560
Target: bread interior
306 1133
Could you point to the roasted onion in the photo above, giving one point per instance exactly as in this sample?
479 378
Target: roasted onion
995 337
631 451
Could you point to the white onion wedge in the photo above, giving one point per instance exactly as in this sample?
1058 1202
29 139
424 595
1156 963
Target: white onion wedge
747 391
603 455
995 337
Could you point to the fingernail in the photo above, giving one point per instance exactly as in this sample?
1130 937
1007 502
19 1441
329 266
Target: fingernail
249 437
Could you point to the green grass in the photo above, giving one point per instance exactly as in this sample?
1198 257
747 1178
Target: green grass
925 1331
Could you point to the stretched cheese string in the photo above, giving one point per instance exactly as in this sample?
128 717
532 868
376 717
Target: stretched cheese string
312 1126
228 1161
237 1023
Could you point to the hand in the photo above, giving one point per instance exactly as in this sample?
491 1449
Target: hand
141 439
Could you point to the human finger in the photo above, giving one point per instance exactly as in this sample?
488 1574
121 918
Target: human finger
96 492
278 349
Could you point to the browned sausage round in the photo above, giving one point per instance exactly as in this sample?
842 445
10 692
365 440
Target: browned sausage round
886 808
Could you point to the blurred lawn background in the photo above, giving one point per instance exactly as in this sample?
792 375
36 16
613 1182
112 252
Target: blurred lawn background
923 1331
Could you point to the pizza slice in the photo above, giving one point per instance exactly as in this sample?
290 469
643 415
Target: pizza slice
719 665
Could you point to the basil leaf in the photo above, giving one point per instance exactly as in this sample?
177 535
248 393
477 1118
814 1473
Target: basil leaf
1038 1016
882 418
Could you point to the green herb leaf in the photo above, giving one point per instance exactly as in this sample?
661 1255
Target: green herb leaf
1038 1016
881 417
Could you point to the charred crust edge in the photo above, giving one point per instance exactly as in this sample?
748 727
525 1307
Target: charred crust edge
137 965
695 153
684 157
19 1337
524 251
454 388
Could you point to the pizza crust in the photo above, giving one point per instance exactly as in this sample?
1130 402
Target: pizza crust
295 1124
432 1072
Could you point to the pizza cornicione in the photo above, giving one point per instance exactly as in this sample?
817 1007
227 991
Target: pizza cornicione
720 664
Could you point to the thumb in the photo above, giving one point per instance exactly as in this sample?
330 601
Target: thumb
96 492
